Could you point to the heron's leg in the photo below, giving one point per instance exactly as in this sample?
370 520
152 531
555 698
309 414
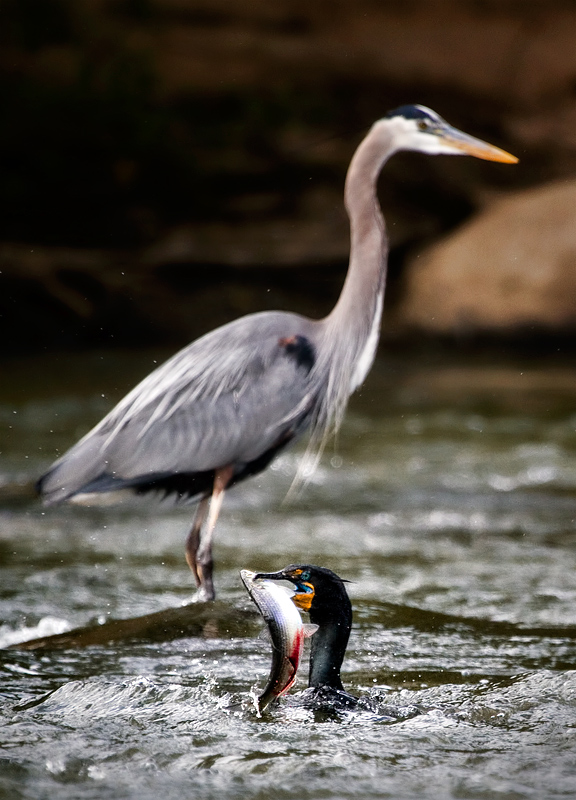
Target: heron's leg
193 538
204 561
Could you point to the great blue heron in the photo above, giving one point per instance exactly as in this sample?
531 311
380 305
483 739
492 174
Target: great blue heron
222 408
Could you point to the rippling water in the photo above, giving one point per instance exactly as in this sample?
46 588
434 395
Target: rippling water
448 502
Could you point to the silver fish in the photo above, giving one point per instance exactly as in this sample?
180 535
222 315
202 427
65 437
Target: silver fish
286 630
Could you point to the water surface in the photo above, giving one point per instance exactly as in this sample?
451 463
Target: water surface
448 502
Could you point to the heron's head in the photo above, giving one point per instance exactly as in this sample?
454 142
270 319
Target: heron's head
421 129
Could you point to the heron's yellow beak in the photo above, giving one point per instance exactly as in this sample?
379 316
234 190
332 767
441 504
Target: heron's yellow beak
476 147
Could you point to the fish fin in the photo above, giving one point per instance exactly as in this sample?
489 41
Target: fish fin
310 629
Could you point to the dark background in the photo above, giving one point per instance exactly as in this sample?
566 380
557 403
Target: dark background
166 165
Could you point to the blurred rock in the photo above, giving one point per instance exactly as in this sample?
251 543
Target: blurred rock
512 267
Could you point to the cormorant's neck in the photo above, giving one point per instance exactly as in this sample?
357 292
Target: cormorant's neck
334 618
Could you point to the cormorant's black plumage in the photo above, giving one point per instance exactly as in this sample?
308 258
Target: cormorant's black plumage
331 610
323 594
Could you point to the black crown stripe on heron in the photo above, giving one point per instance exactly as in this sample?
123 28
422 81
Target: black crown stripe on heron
222 408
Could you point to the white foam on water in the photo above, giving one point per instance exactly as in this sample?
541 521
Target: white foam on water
48 626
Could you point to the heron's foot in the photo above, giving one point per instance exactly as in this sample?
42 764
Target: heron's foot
203 577
204 573
204 594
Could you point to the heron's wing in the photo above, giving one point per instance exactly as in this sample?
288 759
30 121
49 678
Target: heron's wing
226 362
225 399
231 424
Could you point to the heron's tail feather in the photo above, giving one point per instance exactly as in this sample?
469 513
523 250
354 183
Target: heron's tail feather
73 472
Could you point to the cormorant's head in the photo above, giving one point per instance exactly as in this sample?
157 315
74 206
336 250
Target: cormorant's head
421 129
317 588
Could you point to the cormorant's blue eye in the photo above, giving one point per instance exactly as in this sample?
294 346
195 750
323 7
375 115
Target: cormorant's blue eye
305 576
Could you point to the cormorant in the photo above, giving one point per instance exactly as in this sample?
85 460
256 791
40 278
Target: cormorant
322 593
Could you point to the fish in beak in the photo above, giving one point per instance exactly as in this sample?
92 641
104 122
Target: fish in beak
286 631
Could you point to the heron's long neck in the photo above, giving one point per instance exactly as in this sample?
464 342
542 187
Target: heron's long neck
349 334
364 285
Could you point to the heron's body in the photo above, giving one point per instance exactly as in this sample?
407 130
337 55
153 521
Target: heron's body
246 405
223 407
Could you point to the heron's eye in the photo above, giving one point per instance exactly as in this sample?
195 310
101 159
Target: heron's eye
423 125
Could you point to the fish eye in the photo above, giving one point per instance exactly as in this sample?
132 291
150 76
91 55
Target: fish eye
423 125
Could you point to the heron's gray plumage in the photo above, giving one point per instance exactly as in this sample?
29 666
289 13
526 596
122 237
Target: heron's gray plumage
218 401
